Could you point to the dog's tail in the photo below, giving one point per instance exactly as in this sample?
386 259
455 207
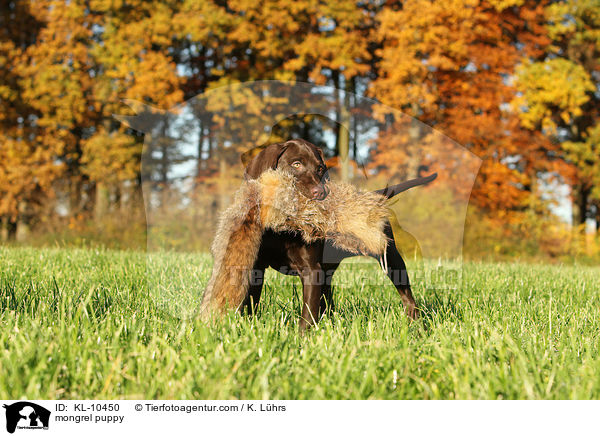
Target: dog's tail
390 191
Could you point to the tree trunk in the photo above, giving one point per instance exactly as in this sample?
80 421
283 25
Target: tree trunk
22 224
102 201
306 128
344 136
336 84
209 143
75 196
9 229
222 181
200 146
580 202
354 121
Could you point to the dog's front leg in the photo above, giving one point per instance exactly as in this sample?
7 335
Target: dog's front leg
311 293
250 304
327 304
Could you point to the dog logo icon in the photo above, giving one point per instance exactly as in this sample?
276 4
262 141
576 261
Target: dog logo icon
26 415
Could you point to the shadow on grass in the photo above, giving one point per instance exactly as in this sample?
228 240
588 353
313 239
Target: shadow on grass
436 307
440 306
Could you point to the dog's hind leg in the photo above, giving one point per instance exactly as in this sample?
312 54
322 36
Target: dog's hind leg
396 271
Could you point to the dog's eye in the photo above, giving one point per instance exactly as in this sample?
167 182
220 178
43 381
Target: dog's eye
297 164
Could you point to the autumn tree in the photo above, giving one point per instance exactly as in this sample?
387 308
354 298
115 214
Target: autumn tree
87 57
559 96
133 61
325 43
27 169
448 63
514 81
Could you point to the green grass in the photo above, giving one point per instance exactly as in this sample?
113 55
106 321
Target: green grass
93 324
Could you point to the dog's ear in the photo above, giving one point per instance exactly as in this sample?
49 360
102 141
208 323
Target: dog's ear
247 156
322 155
266 159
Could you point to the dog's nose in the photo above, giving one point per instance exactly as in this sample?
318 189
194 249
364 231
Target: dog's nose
318 193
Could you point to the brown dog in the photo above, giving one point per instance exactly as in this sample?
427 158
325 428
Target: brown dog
314 263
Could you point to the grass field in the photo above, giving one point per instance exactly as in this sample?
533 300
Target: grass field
86 324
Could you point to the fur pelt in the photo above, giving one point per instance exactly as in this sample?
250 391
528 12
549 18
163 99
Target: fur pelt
351 219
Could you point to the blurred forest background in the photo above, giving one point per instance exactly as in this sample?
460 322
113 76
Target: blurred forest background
515 82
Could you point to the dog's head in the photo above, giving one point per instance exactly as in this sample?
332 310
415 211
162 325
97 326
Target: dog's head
298 157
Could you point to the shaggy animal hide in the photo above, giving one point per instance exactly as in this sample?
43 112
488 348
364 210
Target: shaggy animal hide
351 219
